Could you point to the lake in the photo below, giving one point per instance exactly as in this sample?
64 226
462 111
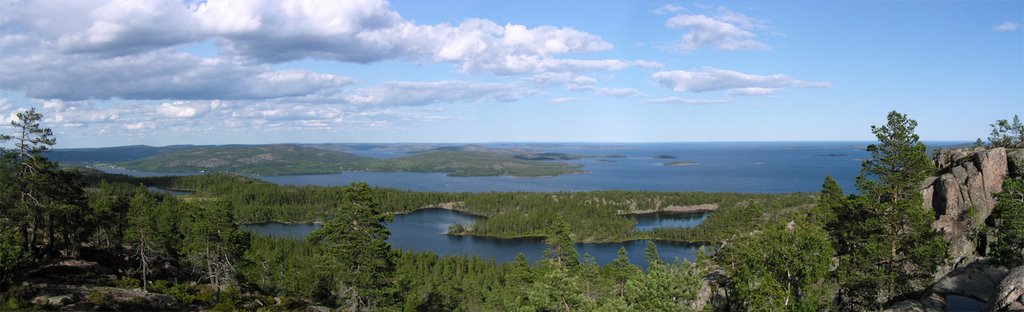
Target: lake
425 230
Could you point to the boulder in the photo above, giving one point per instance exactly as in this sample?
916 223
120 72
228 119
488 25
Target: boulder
54 301
977 280
1009 294
1015 162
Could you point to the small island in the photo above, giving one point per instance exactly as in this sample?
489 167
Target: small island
665 157
681 163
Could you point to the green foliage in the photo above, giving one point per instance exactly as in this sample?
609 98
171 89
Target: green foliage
886 246
456 229
127 283
355 253
753 212
598 216
1007 134
12 257
141 230
560 250
1008 221
474 163
214 243
780 269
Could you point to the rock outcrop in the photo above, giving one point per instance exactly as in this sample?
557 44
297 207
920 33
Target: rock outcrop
1009 295
961 196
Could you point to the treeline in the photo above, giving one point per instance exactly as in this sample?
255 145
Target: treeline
593 216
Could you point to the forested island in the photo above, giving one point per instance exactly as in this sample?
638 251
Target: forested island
77 239
295 159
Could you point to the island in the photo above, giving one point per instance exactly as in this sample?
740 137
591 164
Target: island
681 163
665 157
296 159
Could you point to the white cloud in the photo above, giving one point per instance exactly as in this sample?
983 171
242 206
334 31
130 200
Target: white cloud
679 100
360 31
713 79
558 79
728 31
142 125
182 109
561 100
1007 26
668 8
4 104
406 93
156 75
617 92
752 91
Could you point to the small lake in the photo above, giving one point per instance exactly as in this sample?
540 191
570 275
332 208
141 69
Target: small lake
425 230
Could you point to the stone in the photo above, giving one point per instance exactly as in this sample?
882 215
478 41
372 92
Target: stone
1009 294
55 301
961 197
1015 162
977 280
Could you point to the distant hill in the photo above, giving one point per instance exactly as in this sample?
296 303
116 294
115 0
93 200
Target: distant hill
294 159
281 159
109 154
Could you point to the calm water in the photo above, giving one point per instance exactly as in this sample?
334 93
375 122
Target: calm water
961 303
771 167
650 221
424 230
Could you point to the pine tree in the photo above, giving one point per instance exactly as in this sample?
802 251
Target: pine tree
213 242
141 228
1008 218
560 246
780 269
887 247
355 247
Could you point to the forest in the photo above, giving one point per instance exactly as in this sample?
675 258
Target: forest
77 240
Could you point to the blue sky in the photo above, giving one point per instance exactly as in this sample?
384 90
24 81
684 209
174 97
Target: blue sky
217 72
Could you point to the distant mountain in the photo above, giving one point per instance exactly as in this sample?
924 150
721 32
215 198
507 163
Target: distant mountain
109 154
280 159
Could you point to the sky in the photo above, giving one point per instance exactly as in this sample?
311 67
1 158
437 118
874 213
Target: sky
162 72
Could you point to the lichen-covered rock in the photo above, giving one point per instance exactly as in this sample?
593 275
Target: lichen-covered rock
1009 294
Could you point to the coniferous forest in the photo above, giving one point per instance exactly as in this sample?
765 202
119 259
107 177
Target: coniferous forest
110 238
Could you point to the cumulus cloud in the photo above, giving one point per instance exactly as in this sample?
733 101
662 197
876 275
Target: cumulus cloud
679 100
560 100
728 30
406 93
156 75
737 83
361 31
182 109
570 80
668 8
1007 26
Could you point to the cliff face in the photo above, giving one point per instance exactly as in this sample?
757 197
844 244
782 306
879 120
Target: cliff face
961 196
